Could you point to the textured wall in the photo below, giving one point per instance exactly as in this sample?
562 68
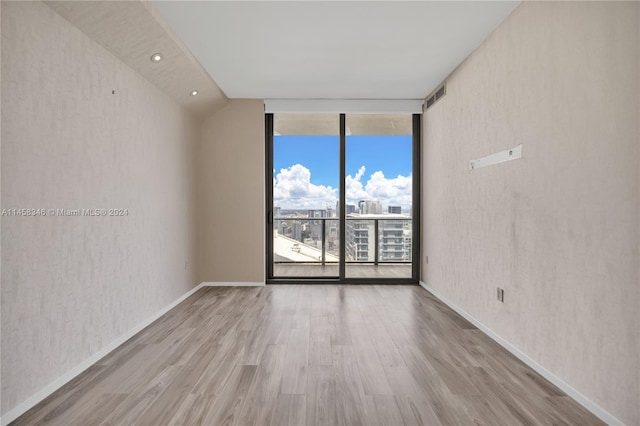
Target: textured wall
72 285
558 230
231 194
1 205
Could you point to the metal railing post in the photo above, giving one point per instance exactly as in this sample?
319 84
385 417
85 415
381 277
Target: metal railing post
377 246
324 238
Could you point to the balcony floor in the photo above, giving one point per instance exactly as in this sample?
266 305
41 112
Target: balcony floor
288 270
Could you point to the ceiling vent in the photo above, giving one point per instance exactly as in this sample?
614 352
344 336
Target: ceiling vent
439 93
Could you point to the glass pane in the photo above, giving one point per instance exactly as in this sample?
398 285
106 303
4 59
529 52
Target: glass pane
306 159
379 195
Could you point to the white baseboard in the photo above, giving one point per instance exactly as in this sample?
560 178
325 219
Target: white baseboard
69 375
34 399
61 381
594 408
233 284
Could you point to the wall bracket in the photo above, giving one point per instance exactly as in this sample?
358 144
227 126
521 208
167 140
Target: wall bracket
514 153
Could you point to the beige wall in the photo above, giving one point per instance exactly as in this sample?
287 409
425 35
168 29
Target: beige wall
72 285
231 194
558 230
1 205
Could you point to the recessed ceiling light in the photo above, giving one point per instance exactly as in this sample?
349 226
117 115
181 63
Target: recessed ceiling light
193 92
156 57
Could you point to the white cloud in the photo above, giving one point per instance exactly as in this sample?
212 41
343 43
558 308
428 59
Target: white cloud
293 190
393 191
354 188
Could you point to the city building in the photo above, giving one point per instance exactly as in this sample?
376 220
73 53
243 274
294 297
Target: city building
369 207
349 208
319 213
297 227
394 238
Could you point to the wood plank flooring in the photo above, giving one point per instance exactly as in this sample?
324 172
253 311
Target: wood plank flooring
309 355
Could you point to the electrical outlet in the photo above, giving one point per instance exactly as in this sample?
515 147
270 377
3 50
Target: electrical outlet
426 260
500 295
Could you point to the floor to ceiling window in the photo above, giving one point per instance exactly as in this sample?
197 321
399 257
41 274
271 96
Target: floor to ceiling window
306 192
379 196
342 195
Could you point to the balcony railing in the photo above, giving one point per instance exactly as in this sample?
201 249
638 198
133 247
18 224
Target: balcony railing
317 240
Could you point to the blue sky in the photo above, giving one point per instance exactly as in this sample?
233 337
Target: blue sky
306 171
320 154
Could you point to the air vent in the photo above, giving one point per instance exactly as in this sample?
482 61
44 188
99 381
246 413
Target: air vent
439 93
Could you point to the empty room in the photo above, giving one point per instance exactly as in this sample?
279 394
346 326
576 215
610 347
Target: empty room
320 213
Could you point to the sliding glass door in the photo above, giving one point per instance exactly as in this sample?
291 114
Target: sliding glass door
379 196
342 192
305 192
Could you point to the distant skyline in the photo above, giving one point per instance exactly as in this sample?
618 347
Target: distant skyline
306 170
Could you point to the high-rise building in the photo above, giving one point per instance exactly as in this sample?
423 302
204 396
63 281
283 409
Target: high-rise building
359 235
297 230
394 238
370 207
395 209
391 240
349 208
317 213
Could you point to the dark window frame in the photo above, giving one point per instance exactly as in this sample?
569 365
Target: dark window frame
342 279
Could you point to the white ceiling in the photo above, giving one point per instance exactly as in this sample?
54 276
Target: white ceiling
332 49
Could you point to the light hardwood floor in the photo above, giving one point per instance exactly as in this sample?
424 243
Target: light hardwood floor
309 355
